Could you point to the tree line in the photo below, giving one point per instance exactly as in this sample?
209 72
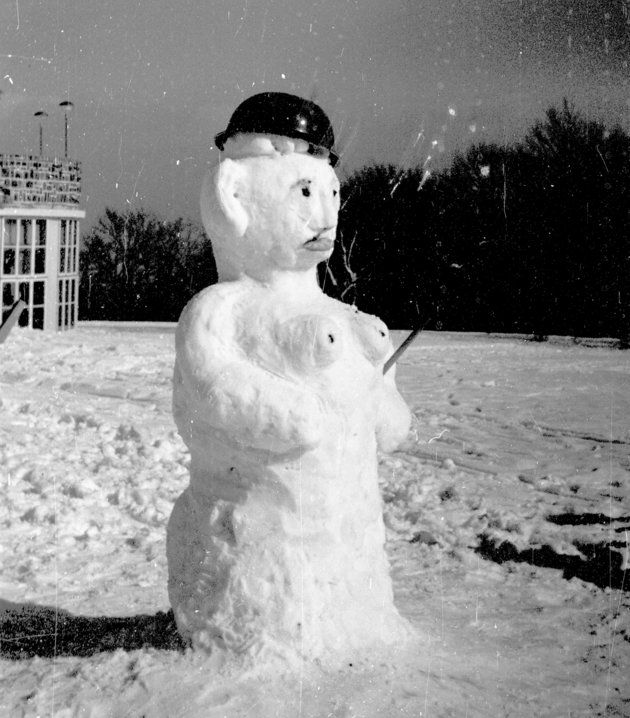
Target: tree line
137 267
532 238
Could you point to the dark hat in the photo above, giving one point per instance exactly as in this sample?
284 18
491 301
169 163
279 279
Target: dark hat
278 113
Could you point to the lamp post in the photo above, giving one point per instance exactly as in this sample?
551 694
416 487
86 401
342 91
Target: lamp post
67 107
41 114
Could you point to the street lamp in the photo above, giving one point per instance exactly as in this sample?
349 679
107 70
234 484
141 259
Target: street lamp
67 107
41 114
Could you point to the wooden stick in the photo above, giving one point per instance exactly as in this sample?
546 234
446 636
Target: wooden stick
403 347
14 315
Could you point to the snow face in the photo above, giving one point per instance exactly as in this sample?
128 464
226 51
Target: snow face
277 545
270 214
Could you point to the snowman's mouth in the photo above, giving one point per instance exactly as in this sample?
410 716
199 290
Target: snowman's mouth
320 243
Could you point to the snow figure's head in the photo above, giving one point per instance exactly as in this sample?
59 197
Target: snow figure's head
270 204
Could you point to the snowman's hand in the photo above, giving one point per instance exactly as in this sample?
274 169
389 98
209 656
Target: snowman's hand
255 408
394 417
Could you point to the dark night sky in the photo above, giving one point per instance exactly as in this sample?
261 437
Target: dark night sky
404 81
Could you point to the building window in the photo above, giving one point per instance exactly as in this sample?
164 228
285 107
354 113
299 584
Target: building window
37 307
9 246
25 243
67 303
24 293
40 247
9 298
63 243
32 293
23 254
75 246
23 247
68 244
11 292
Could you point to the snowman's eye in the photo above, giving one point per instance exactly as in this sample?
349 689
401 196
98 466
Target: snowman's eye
306 191
335 192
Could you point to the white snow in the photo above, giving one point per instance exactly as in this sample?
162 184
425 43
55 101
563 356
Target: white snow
506 435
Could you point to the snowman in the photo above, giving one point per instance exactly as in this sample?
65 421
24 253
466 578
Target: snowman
276 547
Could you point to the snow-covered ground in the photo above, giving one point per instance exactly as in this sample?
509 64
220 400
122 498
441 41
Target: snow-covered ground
508 511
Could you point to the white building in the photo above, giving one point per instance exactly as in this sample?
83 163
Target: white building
39 239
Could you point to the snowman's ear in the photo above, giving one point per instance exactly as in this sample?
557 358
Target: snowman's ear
220 202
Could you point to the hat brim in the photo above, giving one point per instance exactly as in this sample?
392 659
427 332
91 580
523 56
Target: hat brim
331 155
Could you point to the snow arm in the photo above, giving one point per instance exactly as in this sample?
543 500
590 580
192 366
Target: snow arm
218 388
